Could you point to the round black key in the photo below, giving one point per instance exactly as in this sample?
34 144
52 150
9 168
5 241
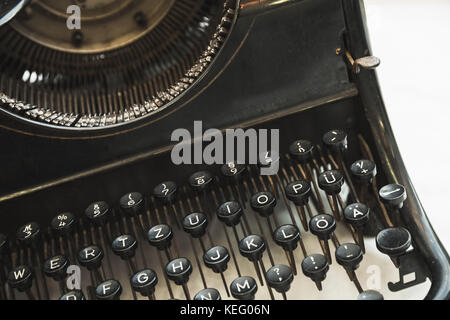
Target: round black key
208 294
331 181
91 257
298 192
280 278
302 150
230 213
263 202
364 170
287 236
108 290
252 247
217 258
160 236
56 267
4 247
144 282
268 159
125 246
315 267
393 195
29 233
166 191
336 140
132 203
179 270
322 225
201 180
349 255
232 169
357 214
393 241
370 295
97 212
21 278
63 223
244 288
195 224
73 295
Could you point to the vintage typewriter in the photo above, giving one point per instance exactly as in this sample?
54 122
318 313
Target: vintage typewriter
92 206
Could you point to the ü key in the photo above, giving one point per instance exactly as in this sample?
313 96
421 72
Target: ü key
331 182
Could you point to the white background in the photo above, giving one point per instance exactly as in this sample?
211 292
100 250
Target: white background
412 39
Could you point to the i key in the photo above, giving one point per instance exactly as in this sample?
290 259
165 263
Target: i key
331 182
144 282
315 267
179 270
217 258
230 213
323 226
244 288
21 278
208 294
108 290
195 224
299 192
357 215
166 193
160 236
349 255
125 247
56 268
288 236
280 277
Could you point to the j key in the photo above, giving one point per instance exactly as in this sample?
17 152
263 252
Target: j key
336 140
179 270
208 294
370 295
29 234
73 295
98 212
144 282
21 278
315 267
288 236
349 255
132 203
393 195
302 150
244 288
125 247
331 181
217 258
263 203
63 223
323 226
108 290
394 242
160 236
364 171
201 180
280 277
166 191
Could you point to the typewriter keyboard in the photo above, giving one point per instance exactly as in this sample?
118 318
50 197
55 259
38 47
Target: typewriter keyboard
321 228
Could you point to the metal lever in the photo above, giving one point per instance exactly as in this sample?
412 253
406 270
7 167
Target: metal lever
9 9
367 62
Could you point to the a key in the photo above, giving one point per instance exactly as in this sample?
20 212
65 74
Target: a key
208 294
280 277
179 270
244 288
217 258
108 290
316 267
144 282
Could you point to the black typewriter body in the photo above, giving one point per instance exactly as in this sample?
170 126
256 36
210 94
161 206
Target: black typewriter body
287 65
